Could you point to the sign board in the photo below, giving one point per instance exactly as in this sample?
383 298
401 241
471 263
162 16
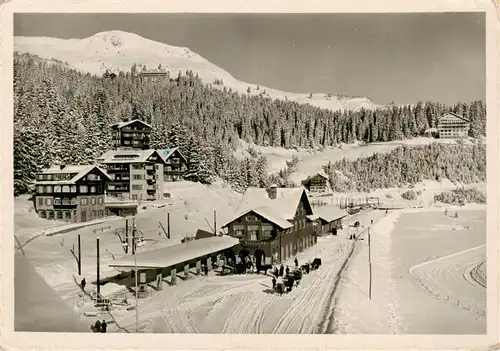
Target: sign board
186 271
198 267
173 275
142 278
209 263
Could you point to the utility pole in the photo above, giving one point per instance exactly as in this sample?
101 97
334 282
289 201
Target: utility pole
98 269
133 236
136 285
79 256
215 222
168 225
369 266
126 236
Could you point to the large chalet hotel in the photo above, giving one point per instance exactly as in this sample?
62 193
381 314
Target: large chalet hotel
129 171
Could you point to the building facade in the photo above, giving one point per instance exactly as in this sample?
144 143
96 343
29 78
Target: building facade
330 219
131 135
451 126
175 164
273 224
153 76
71 193
135 174
317 183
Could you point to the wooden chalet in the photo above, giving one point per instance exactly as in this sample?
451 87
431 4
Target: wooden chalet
131 135
317 183
272 224
135 174
153 75
175 164
451 126
71 193
329 218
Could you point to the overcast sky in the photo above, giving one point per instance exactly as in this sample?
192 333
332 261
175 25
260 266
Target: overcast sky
386 57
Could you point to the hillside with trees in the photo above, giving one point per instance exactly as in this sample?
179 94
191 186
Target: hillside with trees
63 116
408 165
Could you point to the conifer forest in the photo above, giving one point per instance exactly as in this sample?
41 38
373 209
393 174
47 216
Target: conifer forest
62 116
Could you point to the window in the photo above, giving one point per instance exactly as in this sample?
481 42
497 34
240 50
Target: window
67 215
126 142
66 189
136 186
252 232
251 218
57 201
134 196
93 177
48 188
73 188
136 166
40 201
42 214
137 177
92 189
83 201
238 230
40 188
94 213
84 189
66 201
57 188
59 215
101 213
50 214
100 201
267 231
48 201
92 200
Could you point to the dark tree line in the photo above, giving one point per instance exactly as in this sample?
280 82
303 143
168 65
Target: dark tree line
407 165
63 116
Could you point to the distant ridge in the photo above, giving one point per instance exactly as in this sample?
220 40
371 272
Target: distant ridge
119 51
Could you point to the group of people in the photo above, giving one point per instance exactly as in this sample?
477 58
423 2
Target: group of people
100 327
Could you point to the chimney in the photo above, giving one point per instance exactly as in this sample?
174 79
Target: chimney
272 191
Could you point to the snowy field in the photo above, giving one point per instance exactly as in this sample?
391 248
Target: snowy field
422 260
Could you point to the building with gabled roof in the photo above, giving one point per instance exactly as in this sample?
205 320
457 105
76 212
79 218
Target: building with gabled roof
317 183
175 164
330 218
272 224
133 134
452 125
73 193
135 174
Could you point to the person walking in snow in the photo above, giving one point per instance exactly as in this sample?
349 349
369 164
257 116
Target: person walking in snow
287 270
83 283
97 326
274 283
281 270
296 262
104 326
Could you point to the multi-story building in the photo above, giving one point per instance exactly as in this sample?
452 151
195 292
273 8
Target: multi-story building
273 224
317 183
451 126
175 164
131 135
154 75
135 174
71 193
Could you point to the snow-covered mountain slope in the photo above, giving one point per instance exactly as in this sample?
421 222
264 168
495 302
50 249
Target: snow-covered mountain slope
118 50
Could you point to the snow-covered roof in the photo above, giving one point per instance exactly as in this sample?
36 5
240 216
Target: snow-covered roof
80 170
278 210
176 254
120 156
454 115
330 213
166 153
320 173
37 306
124 124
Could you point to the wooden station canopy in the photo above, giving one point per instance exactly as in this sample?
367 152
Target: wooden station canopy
176 254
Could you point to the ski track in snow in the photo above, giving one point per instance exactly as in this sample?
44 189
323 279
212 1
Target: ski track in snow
450 279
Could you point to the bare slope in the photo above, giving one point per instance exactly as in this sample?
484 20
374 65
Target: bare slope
118 50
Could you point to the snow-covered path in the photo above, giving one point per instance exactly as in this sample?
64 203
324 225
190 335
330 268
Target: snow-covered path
449 278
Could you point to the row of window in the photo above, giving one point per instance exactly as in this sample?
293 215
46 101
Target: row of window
69 189
48 201
56 176
253 232
68 215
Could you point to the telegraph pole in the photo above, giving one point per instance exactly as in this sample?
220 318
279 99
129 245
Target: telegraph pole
79 256
136 285
126 236
369 266
215 222
98 269
168 225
